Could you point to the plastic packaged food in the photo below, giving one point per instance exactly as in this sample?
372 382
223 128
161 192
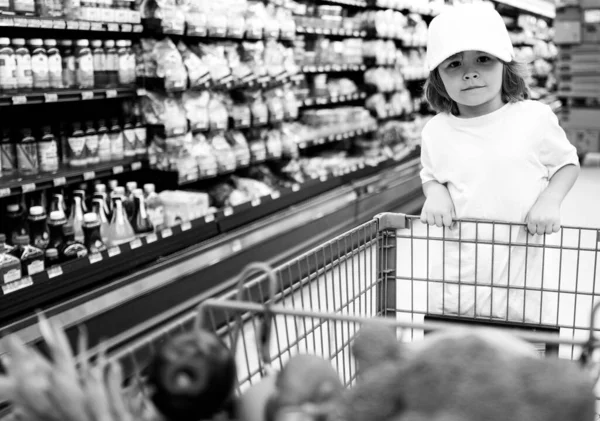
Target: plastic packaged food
196 108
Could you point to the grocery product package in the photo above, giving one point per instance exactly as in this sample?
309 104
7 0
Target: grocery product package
170 65
184 206
196 104
251 187
197 71
226 159
240 147
214 59
205 156
217 112
174 153
168 12
162 110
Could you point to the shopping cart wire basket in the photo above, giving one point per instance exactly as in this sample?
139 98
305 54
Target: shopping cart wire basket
409 275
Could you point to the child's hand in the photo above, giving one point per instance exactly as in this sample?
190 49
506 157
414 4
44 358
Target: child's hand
438 208
544 216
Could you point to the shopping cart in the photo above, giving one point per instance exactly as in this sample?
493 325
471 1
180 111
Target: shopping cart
384 268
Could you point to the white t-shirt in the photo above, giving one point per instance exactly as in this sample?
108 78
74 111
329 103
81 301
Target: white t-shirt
495 167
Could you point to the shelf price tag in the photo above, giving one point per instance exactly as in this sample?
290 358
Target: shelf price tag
4 192
295 187
275 195
54 271
186 226
28 187
17 285
138 28
137 165
97 26
135 244
236 245
85 95
113 27
59 24
151 238
141 92
95 258
302 145
111 93
114 251
166 233
228 211
85 26
118 169
255 202
60 181
89 175
51 97
126 27
19 99
209 218
323 178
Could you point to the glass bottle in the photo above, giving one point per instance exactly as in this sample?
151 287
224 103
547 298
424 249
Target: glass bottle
58 204
120 230
8 66
129 139
93 238
55 227
72 249
98 209
81 193
38 227
54 64
69 68
32 258
141 149
39 64
111 64
141 220
91 143
48 151
76 218
116 140
23 58
104 151
123 54
155 207
8 154
52 257
10 266
84 63
76 148
27 153
100 77
16 223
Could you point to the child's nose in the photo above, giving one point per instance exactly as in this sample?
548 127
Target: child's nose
470 76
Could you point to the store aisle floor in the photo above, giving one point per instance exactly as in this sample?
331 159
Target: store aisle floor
582 205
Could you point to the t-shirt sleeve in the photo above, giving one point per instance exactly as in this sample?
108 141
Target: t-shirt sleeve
556 151
427 172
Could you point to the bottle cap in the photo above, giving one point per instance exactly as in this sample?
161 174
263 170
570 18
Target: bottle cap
51 253
50 43
19 42
46 130
90 218
36 211
82 43
22 240
12 208
113 184
131 185
149 188
66 43
36 42
68 229
100 188
109 43
2 238
121 43
120 190
4 41
138 192
97 43
57 215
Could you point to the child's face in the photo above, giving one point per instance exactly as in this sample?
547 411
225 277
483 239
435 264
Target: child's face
473 80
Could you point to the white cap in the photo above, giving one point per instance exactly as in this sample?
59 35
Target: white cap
149 188
36 211
468 27
90 217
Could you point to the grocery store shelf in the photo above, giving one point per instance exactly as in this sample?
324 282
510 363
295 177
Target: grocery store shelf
22 22
328 100
336 137
65 95
544 8
17 184
340 32
192 178
331 68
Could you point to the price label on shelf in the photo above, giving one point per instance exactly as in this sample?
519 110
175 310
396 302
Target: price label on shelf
95 258
320 141
17 285
361 165
85 95
118 169
59 24
323 178
126 27
113 27
209 218
135 244
295 187
141 92
26 188
20 22
89 175
151 238
85 26
6 21
275 195
114 251
4 192
255 202
60 181
236 245
166 233
54 271
302 145
138 28
228 211
321 101
111 93
339 137
186 226
96 26
19 99
51 97
135 166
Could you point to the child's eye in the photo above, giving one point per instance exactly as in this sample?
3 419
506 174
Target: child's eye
453 64
484 59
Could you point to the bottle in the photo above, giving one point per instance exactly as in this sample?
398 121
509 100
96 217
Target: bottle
23 59
141 148
103 196
128 200
27 154
55 76
81 193
116 140
100 78
123 54
112 64
38 227
76 147
39 64
84 64
93 238
72 249
155 207
69 68
120 230
6 7
24 7
48 151
98 207
32 258
91 144
8 66
129 139
76 218
131 66
8 153
55 228
131 187
57 204
10 266
16 223
52 257
104 152
100 188
141 220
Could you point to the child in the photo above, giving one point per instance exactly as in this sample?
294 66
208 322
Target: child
490 153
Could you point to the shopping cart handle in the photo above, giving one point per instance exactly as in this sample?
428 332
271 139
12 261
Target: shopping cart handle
391 221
